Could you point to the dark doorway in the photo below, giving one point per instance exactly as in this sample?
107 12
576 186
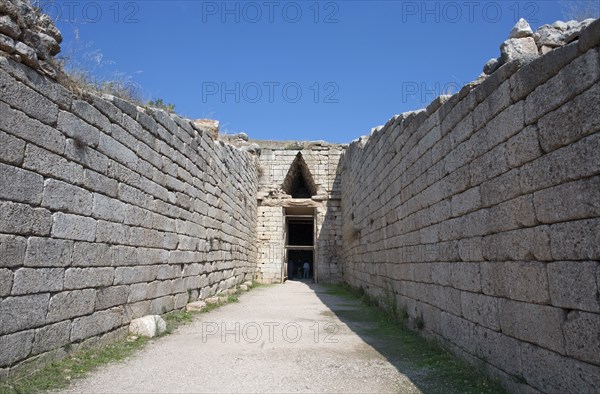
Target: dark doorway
296 260
300 242
299 182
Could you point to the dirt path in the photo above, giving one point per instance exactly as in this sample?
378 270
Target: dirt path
282 338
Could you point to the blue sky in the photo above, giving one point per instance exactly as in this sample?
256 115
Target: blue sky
300 70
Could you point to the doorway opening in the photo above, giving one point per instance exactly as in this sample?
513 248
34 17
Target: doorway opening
300 244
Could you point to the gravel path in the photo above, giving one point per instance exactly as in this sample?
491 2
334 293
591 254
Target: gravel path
283 338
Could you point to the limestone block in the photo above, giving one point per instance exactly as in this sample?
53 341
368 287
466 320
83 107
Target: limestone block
162 305
111 296
147 326
25 99
577 240
465 202
91 115
117 151
582 336
480 309
523 147
12 250
12 149
20 185
159 289
112 233
589 37
518 48
70 304
575 119
98 323
466 276
181 300
80 278
512 214
7 44
537 324
6 281
87 254
125 255
521 29
73 227
498 349
51 337
74 151
573 285
573 79
128 275
61 196
51 165
137 292
15 347
20 313
523 244
569 201
523 281
37 280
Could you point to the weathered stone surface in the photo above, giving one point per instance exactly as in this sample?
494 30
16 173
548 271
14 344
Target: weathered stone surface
538 324
91 115
6 281
111 296
25 99
148 326
12 149
521 29
61 196
12 250
577 240
81 278
15 347
98 323
87 254
73 227
518 48
127 275
51 337
69 304
531 243
108 208
20 313
568 201
48 252
195 306
20 185
37 280
523 147
582 336
524 281
480 309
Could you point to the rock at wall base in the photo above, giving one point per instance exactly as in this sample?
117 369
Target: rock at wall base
148 326
195 306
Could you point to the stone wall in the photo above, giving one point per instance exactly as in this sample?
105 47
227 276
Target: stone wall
109 212
480 215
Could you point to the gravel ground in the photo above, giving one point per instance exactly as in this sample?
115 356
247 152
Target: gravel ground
282 338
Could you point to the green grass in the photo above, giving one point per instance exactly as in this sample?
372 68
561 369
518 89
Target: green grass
389 334
80 363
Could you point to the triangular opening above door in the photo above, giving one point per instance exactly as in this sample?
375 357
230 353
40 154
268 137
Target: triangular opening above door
299 182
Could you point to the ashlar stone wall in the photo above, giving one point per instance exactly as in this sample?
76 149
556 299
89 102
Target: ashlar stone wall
109 212
480 216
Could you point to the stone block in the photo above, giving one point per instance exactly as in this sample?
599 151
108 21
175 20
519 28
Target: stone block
551 373
51 337
111 296
466 202
466 276
98 323
37 280
81 278
480 309
589 37
15 347
87 254
25 99
501 188
573 285
568 201
48 252
128 275
577 240
12 149
51 165
12 250
98 182
69 304
457 330
73 227
117 151
575 119
6 281
512 214
498 349
196 306
489 165
181 300
162 305
21 313
108 208
533 323
159 288
582 336
531 243
61 196
20 185
86 156
73 127
523 281
112 233
125 255
523 147
137 292
91 115
571 80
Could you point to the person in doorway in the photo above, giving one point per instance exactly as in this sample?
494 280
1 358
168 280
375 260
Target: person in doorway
306 268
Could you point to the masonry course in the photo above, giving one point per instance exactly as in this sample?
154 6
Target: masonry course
477 215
